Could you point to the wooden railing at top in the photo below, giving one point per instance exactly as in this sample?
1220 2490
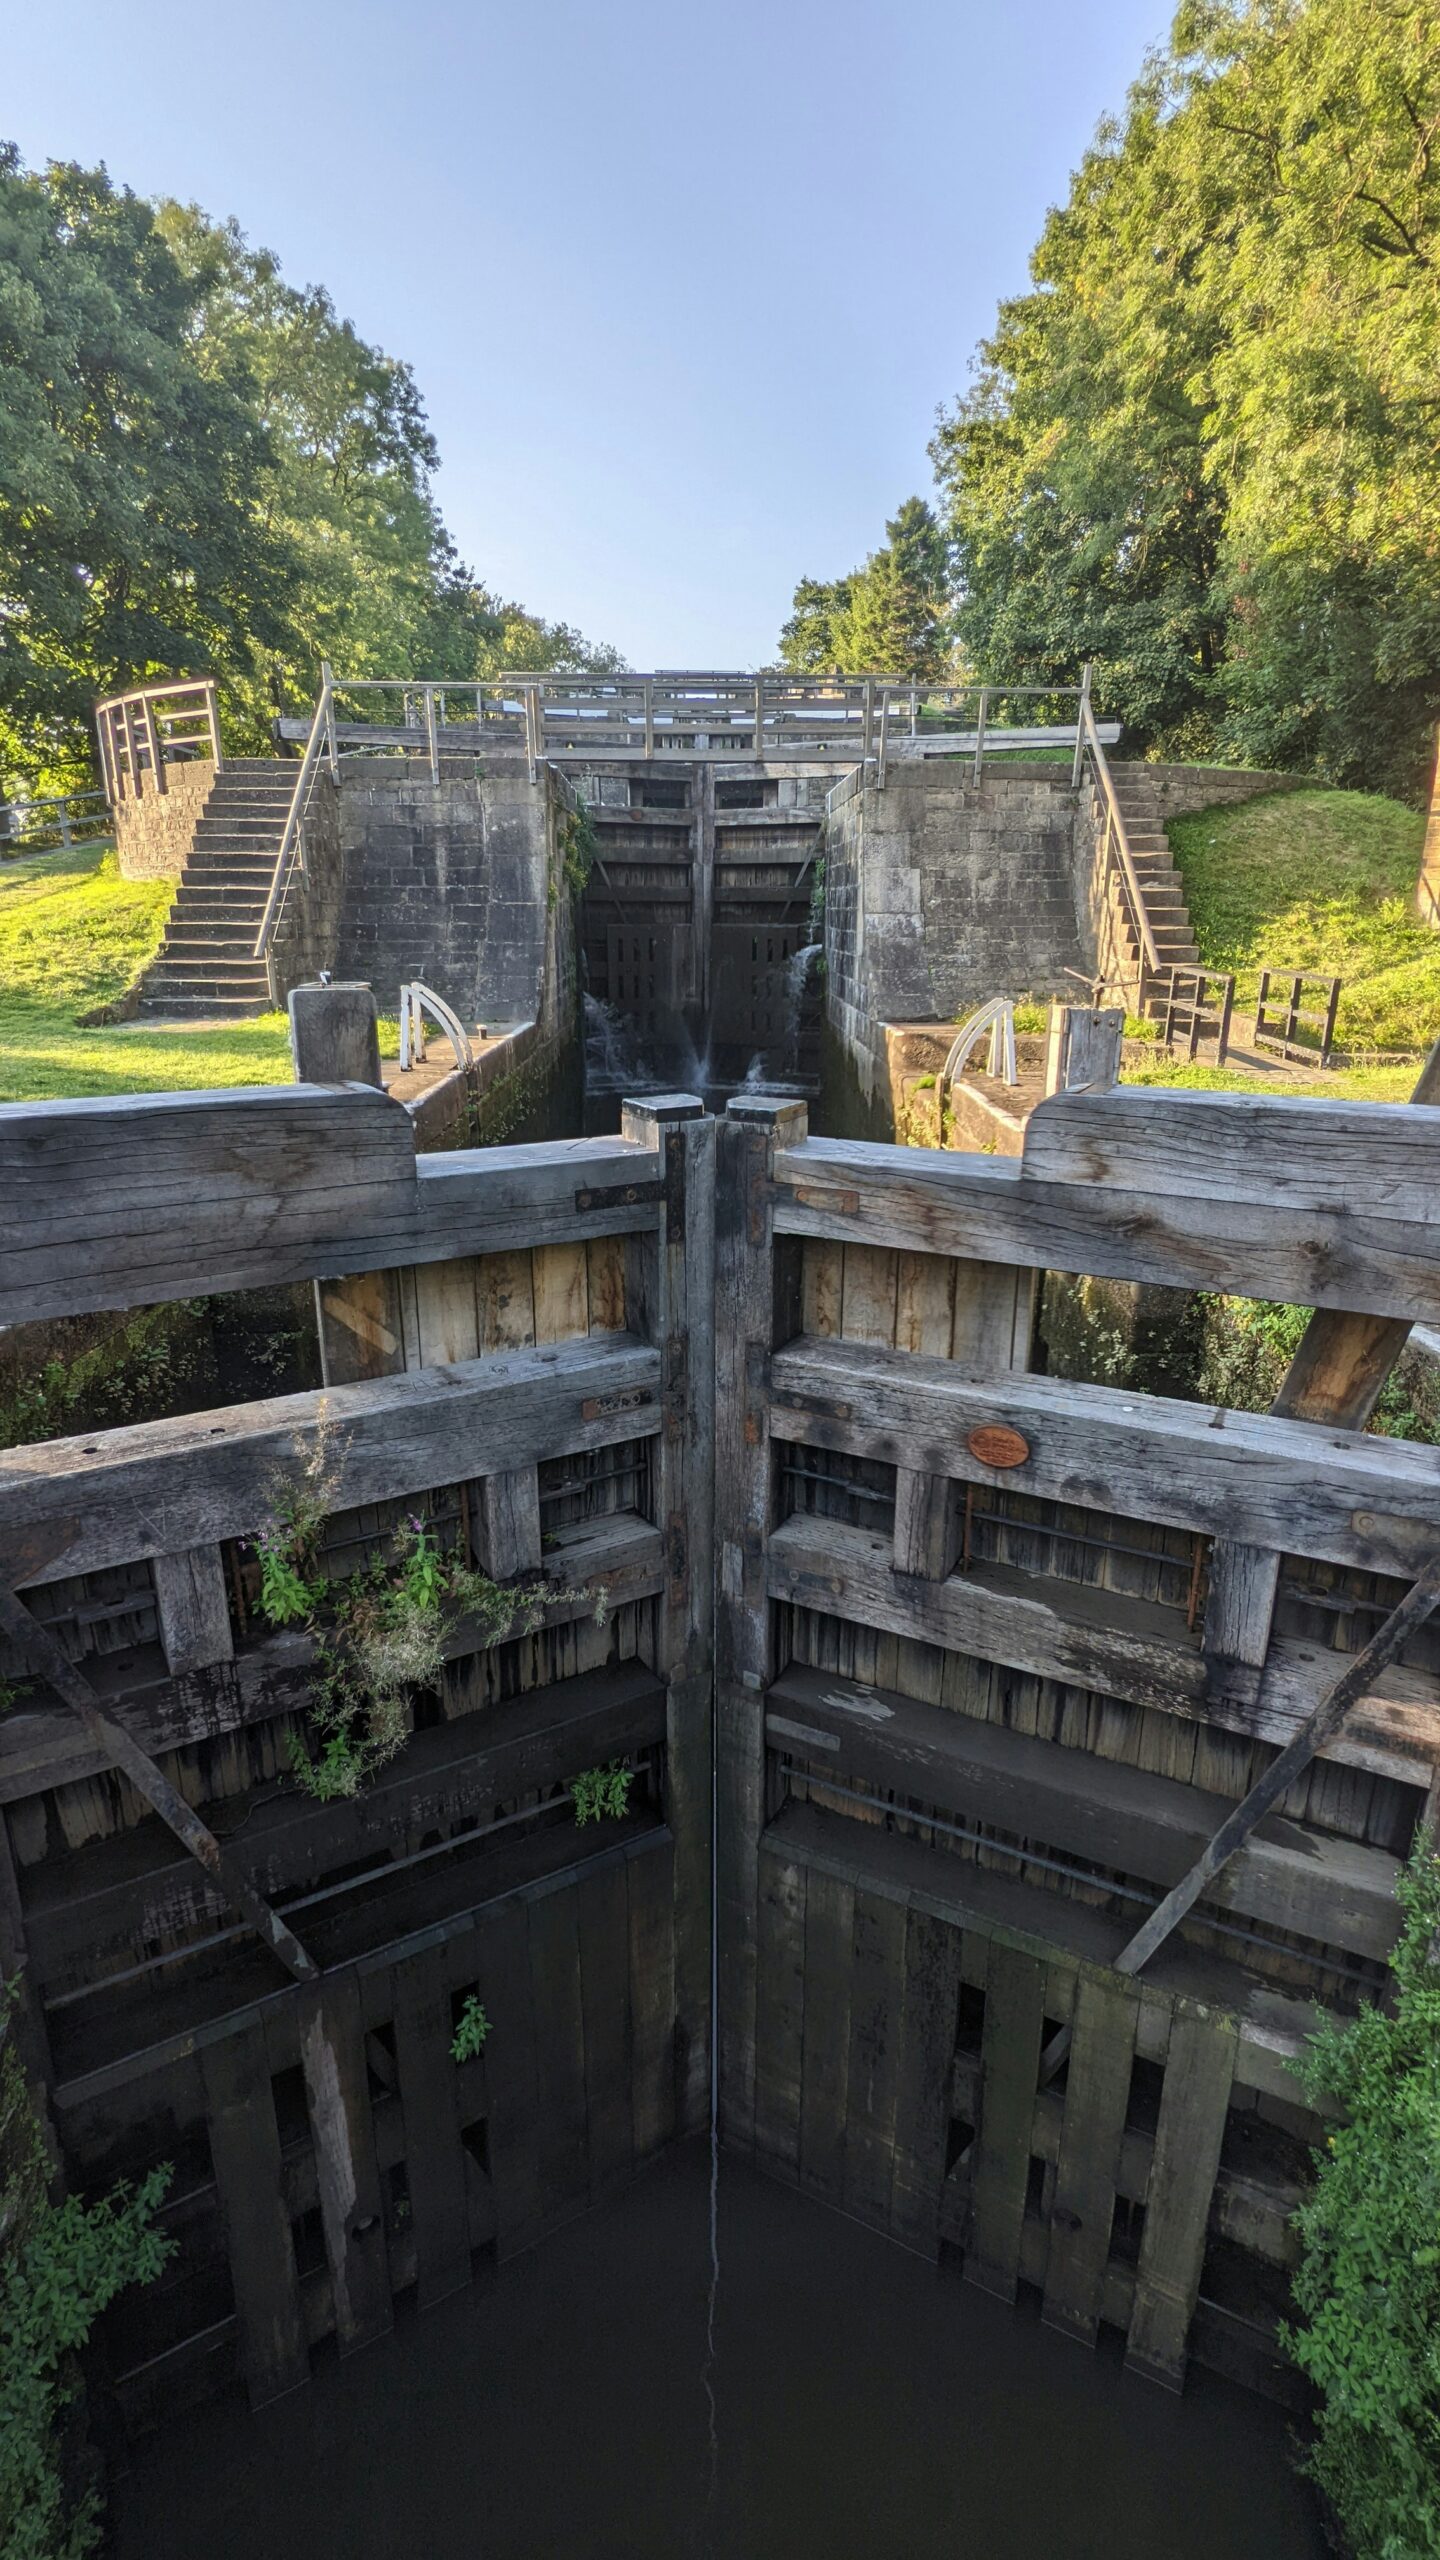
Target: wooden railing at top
158 724
1114 846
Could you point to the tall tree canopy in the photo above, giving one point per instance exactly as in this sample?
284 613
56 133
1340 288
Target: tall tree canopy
889 617
1204 447
204 469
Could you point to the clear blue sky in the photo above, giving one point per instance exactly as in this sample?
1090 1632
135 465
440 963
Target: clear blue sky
682 285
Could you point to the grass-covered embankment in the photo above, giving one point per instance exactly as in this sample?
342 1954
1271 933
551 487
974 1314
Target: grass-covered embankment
74 935
1318 880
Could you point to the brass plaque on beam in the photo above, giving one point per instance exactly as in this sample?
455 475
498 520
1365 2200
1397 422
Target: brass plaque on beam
994 1444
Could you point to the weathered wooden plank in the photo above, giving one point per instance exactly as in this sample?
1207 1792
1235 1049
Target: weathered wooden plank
746 1300
868 1299
561 2152
604 1923
877 1993
825 2057
245 2152
505 1297
361 1323
337 2094
670 1292
1199 2070
1097 2094
502 1957
248 1189
1010 2062
1338 1891
434 2155
929 1523
1348 1496
120 1198
561 1290
779 2013
506 1519
993 1209
1361 1159
650 1881
605 1261
927 2057
447 1322
1098 1640
71 1506
193 1609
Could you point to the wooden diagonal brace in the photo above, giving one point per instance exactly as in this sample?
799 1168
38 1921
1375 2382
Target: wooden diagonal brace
125 1753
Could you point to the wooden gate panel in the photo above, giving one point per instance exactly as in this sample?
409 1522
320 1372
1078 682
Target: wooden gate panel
877 1995
780 2012
337 2092
434 2152
650 1881
1199 2069
563 2172
1010 2063
825 2061
1097 2096
245 2150
926 2070
503 1967
604 1914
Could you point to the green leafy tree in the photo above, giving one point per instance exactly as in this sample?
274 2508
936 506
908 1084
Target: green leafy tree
889 617
1203 448
130 547
1368 2286
810 642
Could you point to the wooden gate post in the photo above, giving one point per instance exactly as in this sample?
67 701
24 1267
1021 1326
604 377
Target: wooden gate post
334 1040
757 1295
669 1296
1082 1051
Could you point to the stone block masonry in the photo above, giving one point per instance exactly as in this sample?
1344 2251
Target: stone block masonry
447 882
153 834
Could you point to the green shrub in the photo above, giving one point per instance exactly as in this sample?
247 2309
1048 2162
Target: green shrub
59 2267
1368 2286
599 1793
471 2031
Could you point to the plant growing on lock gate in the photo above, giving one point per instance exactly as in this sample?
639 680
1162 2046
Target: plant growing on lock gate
471 2030
380 1632
602 1792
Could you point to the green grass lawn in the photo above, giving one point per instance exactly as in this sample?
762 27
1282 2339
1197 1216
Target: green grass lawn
1318 880
74 935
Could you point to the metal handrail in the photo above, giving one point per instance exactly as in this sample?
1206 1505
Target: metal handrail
1115 835
321 737
138 731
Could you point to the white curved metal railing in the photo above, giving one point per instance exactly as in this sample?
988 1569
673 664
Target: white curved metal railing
997 1016
416 1000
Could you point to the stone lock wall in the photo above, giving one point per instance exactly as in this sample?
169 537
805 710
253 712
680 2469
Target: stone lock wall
447 882
939 892
153 833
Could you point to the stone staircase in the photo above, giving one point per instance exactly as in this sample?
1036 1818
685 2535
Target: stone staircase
1161 886
206 964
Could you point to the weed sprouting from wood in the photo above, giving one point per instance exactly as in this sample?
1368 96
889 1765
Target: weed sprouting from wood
471 2030
381 1634
602 1793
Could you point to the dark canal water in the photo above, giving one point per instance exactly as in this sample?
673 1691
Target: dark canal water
866 2409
